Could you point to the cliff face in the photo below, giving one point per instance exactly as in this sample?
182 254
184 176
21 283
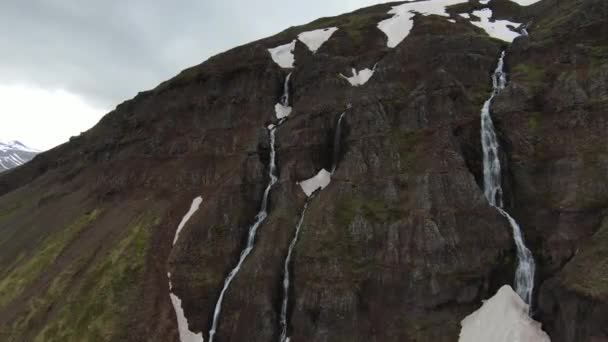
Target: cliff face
400 246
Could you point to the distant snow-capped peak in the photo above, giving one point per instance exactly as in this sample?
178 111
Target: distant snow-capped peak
14 153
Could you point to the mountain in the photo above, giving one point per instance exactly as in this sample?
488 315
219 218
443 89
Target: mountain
411 219
13 154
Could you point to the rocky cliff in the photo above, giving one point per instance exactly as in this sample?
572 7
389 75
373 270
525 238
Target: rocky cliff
401 245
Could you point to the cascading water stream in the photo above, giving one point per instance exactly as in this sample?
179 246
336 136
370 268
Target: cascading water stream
259 218
285 97
337 135
286 274
524 275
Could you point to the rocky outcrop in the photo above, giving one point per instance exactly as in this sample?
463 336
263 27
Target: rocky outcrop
402 244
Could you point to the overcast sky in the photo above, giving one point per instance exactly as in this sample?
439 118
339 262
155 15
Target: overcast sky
65 63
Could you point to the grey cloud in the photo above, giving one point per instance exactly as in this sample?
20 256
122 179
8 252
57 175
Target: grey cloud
107 51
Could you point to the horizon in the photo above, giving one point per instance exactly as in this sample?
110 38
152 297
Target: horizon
54 89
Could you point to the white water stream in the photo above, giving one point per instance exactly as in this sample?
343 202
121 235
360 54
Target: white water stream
259 218
524 275
286 275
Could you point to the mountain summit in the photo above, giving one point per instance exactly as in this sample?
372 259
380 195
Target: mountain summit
374 176
13 154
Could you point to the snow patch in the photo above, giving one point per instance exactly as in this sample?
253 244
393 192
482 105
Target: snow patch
525 2
320 181
502 318
465 15
314 39
282 111
360 77
398 27
185 335
196 203
283 55
497 28
6 145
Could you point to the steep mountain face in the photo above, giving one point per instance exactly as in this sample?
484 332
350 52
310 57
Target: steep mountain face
400 246
13 154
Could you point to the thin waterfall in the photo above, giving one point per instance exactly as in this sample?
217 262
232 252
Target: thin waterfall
338 132
260 217
286 275
524 275
285 96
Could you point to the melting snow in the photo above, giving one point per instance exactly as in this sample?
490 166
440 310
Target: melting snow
7 145
282 111
496 29
185 335
196 203
502 318
314 39
465 15
400 24
525 2
320 181
283 55
360 77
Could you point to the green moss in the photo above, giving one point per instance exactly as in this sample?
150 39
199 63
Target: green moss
406 143
597 54
37 307
371 210
9 210
587 272
533 121
531 75
30 267
98 310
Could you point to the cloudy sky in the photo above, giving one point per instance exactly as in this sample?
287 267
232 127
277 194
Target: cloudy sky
66 63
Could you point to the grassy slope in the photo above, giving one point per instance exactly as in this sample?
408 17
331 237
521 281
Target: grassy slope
89 299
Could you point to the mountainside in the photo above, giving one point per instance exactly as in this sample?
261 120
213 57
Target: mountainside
398 243
14 153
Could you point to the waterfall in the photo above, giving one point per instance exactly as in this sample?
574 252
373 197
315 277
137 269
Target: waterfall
286 275
338 132
260 217
524 275
285 97
294 241
282 108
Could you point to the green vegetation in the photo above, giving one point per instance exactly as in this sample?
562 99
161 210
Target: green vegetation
97 310
532 75
31 266
534 120
371 210
597 54
407 142
9 210
38 306
587 273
